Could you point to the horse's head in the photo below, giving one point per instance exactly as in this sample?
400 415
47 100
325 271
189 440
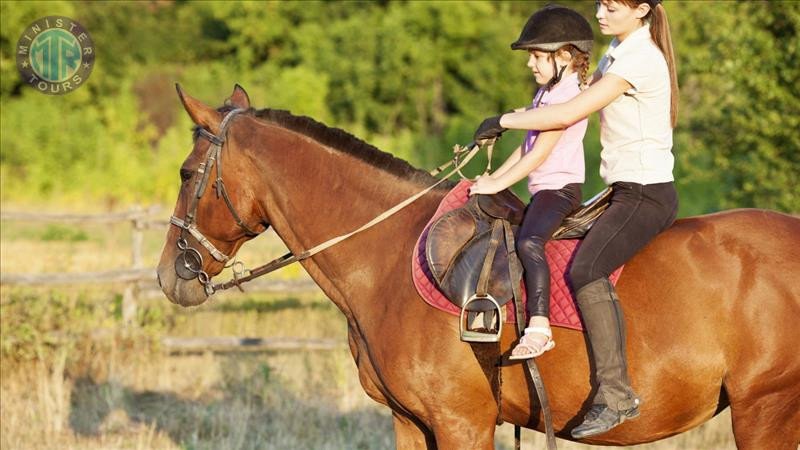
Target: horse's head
217 209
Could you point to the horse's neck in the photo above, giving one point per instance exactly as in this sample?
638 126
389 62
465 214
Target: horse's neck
317 193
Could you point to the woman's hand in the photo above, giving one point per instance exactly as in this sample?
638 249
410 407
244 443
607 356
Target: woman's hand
489 129
486 185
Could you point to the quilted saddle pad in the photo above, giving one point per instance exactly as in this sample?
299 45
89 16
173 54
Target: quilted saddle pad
563 309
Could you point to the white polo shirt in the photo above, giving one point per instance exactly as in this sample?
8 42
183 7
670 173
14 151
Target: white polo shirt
635 129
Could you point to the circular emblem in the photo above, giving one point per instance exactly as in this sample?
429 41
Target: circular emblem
55 55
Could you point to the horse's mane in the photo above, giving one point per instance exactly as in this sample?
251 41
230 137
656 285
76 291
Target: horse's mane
345 142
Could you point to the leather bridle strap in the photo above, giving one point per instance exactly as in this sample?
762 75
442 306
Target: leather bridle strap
290 258
213 155
192 229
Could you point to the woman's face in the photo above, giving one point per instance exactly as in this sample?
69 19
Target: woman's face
618 19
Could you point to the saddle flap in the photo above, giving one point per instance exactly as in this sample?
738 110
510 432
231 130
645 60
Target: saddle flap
502 205
460 282
446 237
456 247
579 222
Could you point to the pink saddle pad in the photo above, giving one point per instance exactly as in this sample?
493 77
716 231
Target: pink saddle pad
563 310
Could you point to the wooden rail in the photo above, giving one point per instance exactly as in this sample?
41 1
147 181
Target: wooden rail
240 344
54 279
139 281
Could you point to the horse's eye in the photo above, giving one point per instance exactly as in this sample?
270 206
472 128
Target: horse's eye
186 175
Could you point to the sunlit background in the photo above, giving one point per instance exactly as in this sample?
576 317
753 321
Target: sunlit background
94 365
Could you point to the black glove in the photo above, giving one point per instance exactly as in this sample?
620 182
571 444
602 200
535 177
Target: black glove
489 129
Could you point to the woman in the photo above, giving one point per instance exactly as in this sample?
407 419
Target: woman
635 89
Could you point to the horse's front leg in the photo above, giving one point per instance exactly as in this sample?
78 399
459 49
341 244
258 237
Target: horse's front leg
460 432
410 434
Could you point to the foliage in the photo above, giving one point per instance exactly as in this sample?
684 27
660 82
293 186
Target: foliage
413 78
741 102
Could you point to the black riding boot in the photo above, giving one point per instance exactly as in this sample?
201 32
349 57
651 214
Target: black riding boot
615 400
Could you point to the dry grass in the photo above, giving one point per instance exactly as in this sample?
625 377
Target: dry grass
125 392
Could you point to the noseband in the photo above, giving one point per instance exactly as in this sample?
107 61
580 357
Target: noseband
189 262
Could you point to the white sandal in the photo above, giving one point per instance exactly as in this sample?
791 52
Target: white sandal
548 345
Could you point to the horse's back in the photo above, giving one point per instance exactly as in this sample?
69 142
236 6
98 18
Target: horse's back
723 288
739 264
750 244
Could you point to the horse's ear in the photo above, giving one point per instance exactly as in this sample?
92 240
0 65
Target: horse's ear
239 98
201 114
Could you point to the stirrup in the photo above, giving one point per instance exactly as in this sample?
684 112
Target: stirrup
468 335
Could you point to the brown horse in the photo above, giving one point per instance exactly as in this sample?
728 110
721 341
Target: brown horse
712 304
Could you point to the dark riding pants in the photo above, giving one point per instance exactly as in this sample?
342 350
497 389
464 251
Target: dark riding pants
636 214
543 215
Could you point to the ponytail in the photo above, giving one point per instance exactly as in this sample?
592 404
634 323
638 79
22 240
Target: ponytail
659 31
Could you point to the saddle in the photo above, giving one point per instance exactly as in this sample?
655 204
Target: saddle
471 254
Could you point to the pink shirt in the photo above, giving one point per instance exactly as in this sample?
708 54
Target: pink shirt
565 164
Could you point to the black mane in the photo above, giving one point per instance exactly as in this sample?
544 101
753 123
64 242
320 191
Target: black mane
345 142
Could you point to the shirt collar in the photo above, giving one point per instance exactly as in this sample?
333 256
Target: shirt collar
617 48
566 81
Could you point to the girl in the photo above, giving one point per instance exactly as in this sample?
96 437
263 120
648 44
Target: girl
636 91
559 41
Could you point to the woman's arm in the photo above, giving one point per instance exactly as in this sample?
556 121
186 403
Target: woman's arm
542 147
596 76
562 115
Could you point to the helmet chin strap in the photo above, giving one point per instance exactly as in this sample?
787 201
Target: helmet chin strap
558 73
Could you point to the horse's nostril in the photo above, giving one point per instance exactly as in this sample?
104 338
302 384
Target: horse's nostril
158 279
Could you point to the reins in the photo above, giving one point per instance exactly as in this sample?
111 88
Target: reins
468 153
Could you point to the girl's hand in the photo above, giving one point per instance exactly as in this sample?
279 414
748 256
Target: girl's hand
485 185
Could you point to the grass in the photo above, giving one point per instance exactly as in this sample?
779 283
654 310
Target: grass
73 377
124 391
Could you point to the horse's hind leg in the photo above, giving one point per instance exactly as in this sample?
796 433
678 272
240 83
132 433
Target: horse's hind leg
767 420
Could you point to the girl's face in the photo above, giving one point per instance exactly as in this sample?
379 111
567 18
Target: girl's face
618 19
542 65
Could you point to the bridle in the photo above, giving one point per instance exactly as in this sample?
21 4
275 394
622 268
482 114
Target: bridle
189 262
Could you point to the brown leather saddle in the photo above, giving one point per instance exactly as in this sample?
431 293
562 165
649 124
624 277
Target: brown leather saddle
471 254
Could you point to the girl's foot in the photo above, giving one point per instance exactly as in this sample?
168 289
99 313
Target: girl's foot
533 343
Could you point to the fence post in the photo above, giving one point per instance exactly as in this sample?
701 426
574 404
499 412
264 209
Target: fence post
131 290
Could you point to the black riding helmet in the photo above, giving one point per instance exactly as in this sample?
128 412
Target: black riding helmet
553 27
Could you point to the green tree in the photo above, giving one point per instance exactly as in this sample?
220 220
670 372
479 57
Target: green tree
738 134
413 78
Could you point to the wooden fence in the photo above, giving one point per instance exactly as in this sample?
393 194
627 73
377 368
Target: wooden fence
140 282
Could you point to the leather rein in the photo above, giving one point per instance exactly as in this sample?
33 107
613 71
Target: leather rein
189 262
